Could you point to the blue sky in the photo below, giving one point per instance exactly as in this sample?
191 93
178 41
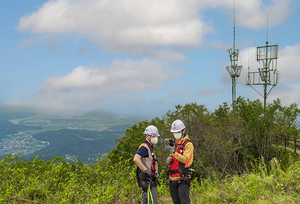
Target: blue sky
140 57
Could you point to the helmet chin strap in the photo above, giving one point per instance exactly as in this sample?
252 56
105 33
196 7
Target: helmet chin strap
149 140
182 133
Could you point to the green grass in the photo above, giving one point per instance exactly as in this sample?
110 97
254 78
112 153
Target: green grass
263 185
58 181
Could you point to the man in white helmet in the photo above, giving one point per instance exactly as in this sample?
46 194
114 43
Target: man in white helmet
147 171
180 164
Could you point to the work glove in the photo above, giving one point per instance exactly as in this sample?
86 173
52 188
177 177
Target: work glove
169 160
147 172
170 148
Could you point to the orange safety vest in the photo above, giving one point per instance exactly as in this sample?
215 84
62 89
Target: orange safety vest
178 169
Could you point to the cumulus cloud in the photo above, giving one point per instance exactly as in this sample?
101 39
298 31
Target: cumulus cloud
128 26
289 63
119 24
89 87
287 93
253 14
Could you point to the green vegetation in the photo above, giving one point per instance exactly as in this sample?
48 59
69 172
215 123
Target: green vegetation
58 181
226 141
237 160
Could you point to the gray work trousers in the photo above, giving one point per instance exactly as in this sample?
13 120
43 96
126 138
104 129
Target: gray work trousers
145 196
180 192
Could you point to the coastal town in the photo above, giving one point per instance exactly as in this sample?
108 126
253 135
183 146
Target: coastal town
21 143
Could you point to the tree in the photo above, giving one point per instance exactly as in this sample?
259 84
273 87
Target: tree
226 141
129 143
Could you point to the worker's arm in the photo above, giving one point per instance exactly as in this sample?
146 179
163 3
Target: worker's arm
189 149
138 162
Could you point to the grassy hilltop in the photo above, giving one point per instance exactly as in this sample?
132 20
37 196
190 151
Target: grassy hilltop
237 160
58 181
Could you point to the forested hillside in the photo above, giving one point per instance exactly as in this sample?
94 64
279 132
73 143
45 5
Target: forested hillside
8 128
237 160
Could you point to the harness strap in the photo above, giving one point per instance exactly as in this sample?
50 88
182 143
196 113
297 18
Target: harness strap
180 171
151 150
153 158
181 165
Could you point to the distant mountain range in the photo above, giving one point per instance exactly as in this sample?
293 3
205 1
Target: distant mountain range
85 136
8 128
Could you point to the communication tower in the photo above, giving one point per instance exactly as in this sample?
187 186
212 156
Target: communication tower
268 74
234 70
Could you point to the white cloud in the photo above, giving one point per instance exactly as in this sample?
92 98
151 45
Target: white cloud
87 87
117 24
287 93
253 14
289 63
126 26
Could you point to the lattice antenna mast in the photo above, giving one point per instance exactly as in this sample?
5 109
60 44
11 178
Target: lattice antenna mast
234 70
268 74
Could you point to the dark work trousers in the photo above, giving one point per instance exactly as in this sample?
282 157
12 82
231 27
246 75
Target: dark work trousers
180 192
154 196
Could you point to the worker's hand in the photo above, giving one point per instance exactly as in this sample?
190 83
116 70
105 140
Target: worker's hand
170 148
147 172
169 160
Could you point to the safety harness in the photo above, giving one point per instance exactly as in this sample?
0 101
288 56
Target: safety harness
153 180
187 172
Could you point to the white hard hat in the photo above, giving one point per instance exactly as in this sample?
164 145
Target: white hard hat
151 130
177 126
